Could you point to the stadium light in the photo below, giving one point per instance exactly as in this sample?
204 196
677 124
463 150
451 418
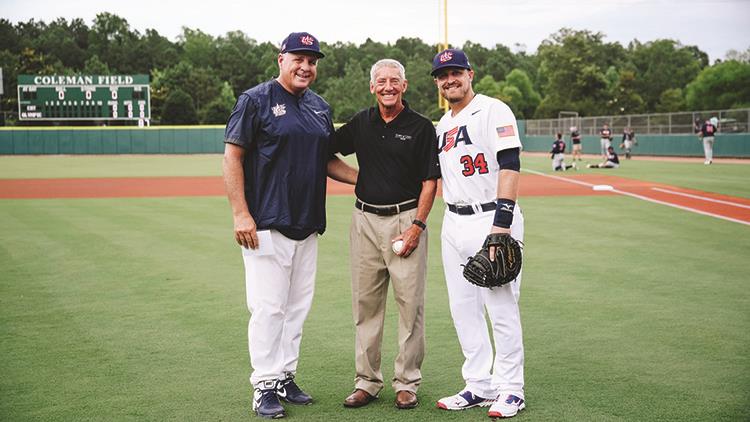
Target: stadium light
442 103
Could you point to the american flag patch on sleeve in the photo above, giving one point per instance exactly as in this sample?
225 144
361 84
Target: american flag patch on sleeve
504 131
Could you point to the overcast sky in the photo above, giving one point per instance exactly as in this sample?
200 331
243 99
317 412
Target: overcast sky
715 26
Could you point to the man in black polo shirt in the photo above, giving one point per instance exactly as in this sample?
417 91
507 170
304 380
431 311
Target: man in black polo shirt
276 158
398 171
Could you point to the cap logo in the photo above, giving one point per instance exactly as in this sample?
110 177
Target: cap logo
307 40
446 56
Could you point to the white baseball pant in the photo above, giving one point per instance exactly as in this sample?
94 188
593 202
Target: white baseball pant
610 165
462 236
279 288
558 160
708 147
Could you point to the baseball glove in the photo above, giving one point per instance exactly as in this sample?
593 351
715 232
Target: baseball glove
505 268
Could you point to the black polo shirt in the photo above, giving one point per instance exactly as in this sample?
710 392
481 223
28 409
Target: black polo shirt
394 158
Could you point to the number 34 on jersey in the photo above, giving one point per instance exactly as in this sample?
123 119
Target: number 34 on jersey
472 164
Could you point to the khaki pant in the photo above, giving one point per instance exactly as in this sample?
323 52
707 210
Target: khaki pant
373 265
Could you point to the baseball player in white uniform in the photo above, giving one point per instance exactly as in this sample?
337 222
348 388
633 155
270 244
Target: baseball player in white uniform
479 148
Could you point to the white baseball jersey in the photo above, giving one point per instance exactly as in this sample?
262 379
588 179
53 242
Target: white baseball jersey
468 144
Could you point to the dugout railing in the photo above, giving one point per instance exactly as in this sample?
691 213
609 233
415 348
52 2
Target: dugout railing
730 121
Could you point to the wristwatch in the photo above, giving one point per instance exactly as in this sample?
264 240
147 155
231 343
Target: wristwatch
420 224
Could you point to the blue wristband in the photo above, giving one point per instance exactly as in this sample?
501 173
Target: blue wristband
504 213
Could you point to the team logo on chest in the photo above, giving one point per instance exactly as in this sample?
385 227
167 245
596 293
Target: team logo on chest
279 110
452 137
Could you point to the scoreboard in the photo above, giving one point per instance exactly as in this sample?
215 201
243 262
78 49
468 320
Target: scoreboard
84 97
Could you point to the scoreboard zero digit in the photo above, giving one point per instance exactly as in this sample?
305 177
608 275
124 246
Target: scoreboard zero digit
84 97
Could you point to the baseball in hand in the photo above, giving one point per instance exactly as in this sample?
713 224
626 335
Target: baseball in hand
397 246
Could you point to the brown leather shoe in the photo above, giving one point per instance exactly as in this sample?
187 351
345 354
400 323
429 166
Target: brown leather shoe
406 399
359 398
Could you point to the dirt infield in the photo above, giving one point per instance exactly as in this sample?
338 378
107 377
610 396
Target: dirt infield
721 206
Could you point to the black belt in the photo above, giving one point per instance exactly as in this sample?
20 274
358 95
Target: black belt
386 210
469 210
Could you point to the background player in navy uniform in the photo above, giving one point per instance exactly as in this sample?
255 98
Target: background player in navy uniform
611 161
275 162
558 155
398 171
575 137
708 130
628 141
605 140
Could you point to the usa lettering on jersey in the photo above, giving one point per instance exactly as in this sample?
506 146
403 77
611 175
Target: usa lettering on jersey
452 137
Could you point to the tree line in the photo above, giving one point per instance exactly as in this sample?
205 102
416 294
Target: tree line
197 78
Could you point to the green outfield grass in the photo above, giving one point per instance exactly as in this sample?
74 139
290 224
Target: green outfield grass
134 309
62 166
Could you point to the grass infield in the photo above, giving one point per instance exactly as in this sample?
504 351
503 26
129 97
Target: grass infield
134 309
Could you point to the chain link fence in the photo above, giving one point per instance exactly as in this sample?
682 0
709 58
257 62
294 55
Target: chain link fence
730 121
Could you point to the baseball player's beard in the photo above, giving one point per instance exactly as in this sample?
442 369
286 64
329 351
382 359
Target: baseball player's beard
454 94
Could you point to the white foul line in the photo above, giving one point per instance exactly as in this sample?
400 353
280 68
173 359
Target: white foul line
734 204
577 182
656 201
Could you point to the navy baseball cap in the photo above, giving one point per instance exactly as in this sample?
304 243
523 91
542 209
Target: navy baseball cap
301 42
450 58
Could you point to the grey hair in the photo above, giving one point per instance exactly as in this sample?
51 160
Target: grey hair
387 63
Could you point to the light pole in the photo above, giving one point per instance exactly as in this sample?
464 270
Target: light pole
442 103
